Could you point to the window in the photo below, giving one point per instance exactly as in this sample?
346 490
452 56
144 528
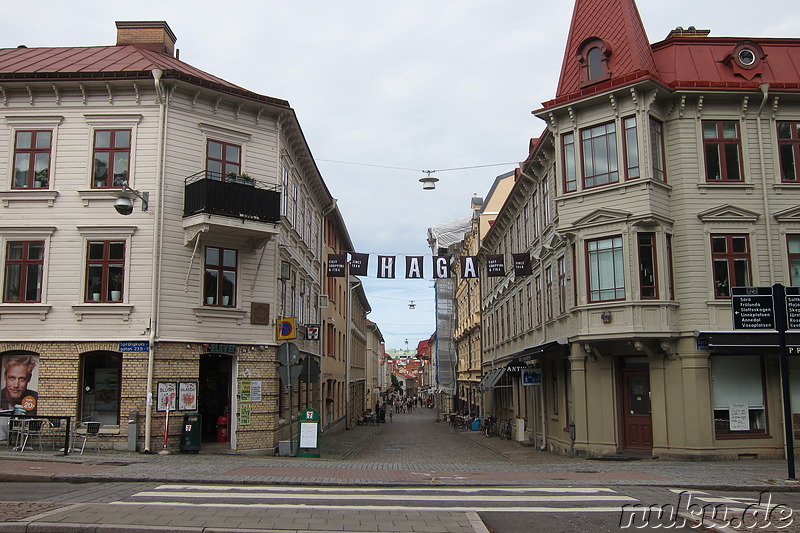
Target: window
546 202
535 207
671 276
657 150
24 267
112 153
105 264
538 282
789 150
220 277
793 243
722 147
593 58
562 285
648 285
570 170
731 259
223 160
738 395
606 273
32 159
100 387
548 297
631 149
600 165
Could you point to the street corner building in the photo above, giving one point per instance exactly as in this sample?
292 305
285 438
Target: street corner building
157 223
666 175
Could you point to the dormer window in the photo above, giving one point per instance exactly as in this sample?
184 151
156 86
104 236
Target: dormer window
593 57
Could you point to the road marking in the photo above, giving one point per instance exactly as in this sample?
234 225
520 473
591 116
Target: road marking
279 488
388 497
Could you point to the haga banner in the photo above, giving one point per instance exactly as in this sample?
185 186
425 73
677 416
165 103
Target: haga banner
495 266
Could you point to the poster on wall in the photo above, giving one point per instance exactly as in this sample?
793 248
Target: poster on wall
187 396
739 416
255 391
20 382
245 414
167 396
244 391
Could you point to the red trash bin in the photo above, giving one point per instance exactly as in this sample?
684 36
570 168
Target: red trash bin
222 428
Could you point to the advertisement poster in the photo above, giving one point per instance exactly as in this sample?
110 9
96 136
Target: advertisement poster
245 414
244 391
20 382
187 396
167 396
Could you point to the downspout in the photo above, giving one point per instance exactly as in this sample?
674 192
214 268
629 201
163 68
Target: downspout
156 256
764 191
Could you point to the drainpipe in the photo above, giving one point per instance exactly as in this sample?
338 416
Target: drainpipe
156 256
764 191
348 344
323 333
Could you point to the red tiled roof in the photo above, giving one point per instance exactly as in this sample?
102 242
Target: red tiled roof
618 24
104 62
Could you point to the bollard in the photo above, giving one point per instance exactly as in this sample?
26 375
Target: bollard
133 430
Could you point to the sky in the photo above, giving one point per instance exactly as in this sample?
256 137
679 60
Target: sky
386 90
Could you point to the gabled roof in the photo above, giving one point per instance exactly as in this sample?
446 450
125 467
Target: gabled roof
109 62
618 24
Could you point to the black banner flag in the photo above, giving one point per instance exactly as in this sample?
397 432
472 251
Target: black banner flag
336 265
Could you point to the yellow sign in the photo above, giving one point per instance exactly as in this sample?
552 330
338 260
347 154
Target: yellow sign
286 329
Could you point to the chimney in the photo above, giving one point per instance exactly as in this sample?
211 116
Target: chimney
154 35
690 32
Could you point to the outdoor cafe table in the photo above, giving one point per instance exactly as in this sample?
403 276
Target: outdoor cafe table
68 419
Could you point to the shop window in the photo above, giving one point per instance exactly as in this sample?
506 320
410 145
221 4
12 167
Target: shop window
606 270
789 150
731 259
220 277
223 160
105 266
648 284
793 243
32 159
722 147
738 395
599 148
112 154
23 272
100 387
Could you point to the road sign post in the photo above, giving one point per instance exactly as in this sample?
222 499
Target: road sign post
777 308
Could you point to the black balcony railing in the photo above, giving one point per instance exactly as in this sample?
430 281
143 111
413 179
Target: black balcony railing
231 196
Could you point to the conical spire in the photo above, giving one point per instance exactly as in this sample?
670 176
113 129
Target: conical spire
617 25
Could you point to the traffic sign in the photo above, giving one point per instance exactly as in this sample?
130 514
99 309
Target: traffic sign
286 329
288 353
753 308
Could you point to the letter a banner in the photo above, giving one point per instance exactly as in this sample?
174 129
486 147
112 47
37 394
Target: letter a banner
468 269
414 267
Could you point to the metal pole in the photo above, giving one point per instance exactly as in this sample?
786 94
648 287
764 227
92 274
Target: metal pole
291 434
779 303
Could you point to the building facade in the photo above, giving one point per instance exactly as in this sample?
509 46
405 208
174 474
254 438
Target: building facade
666 175
172 308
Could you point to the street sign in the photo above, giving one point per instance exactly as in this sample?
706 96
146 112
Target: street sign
289 374
288 353
531 377
752 308
285 329
793 307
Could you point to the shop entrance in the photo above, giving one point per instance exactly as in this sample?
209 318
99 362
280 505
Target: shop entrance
214 399
637 422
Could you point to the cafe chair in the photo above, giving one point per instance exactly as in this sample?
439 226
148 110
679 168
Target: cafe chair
15 427
31 429
89 431
57 430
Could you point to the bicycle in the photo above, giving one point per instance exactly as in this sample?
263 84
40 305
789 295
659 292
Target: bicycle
505 429
490 426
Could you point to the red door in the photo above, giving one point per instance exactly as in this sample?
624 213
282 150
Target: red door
636 419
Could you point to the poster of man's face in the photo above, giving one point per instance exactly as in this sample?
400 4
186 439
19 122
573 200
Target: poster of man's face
20 378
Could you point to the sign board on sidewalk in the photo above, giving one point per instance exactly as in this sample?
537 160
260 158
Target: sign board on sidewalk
793 307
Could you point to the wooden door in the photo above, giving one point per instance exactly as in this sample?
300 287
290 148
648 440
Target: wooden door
637 422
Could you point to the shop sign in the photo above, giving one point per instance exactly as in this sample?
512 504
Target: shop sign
216 347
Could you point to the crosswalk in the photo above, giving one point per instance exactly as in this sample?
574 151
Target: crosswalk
450 499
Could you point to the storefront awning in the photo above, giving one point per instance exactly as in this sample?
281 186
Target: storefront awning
491 378
556 347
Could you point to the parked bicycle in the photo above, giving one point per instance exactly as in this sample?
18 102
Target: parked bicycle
505 429
490 426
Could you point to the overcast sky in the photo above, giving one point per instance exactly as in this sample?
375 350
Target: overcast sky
413 84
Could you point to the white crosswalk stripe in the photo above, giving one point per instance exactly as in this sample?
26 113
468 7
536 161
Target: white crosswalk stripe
453 499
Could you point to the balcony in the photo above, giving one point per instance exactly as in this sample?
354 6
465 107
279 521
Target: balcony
240 204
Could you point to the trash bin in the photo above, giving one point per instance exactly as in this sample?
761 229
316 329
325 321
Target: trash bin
191 432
